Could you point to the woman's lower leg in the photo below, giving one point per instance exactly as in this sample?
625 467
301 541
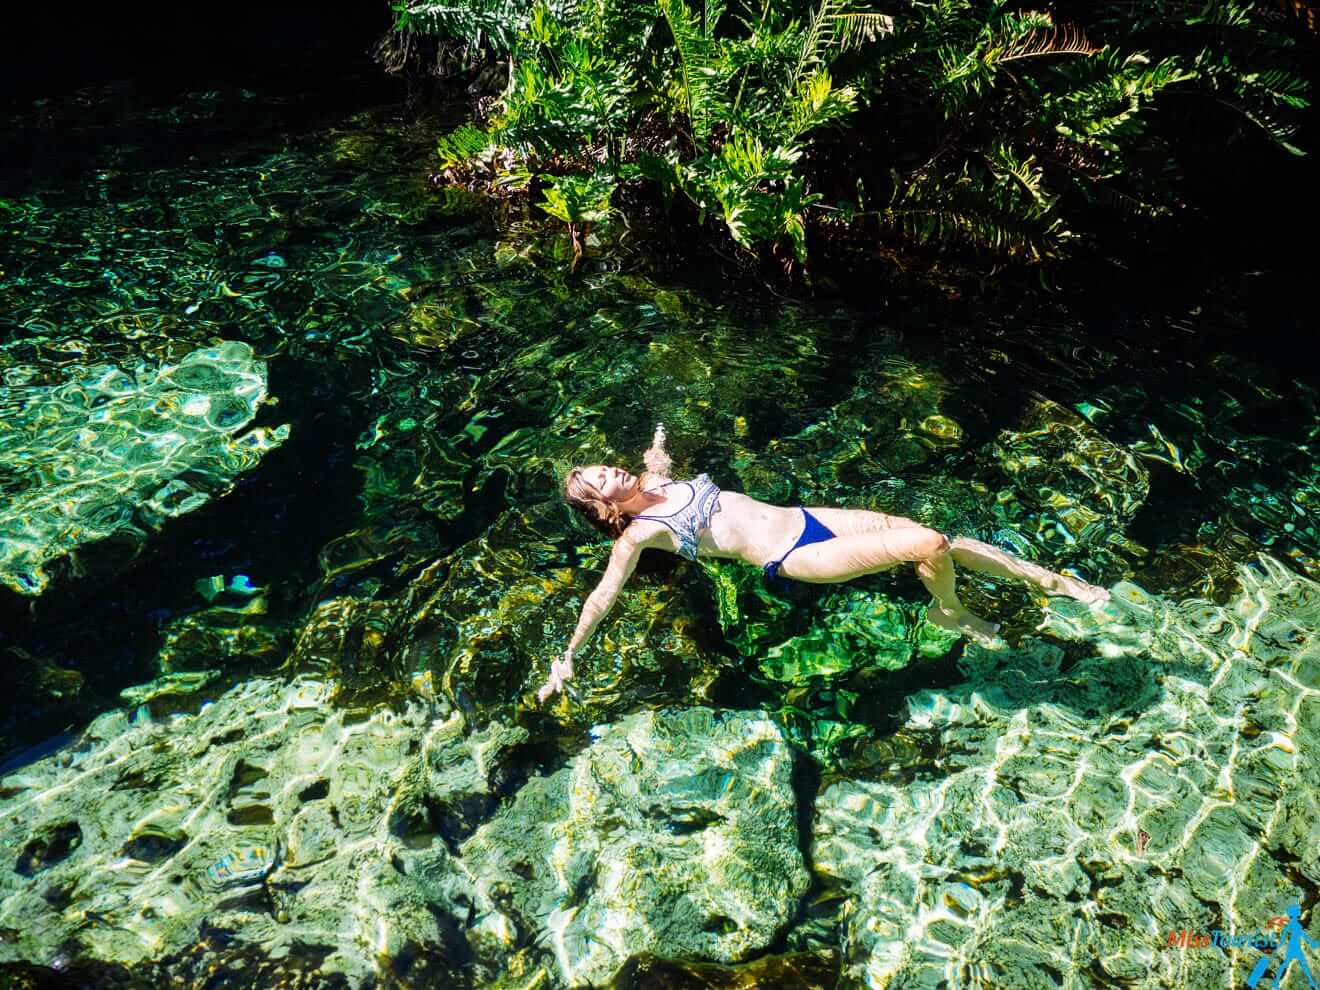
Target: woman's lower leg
986 559
937 574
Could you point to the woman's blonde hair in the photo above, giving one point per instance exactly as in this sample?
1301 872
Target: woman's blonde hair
601 512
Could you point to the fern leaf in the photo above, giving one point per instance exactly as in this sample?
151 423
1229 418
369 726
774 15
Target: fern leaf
815 104
461 145
700 63
853 29
1066 39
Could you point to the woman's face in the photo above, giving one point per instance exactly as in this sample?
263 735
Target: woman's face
614 483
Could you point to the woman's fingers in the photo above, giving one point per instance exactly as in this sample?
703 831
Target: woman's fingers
560 671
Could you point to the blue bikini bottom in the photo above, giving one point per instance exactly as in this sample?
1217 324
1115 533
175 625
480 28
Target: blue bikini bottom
813 531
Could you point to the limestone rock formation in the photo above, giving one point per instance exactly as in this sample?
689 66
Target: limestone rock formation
270 824
107 458
1079 815
1072 490
675 832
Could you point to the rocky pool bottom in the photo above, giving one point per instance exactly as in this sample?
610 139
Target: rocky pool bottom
1077 814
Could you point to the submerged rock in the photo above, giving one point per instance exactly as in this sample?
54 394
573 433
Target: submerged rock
487 620
1072 491
96 464
794 971
222 634
270 826
850 628
1082 814
675 833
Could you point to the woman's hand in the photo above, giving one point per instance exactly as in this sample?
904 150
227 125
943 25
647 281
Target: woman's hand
560 672
656 460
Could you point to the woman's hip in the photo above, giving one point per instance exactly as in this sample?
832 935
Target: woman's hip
850 522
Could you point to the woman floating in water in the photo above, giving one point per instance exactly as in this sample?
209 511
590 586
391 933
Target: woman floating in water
818 545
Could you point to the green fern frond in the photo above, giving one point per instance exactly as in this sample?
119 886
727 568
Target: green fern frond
580 198
490 24
1105 194
461 145
1223 13
834 28
1105 96
1283 86
1024 171
700 62
985 211
816 104
854 29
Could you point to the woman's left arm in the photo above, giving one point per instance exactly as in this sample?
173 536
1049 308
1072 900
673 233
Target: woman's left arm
656 459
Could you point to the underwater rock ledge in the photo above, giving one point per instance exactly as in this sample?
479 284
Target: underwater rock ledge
1078 817
95 465
276 832
674 833
270 826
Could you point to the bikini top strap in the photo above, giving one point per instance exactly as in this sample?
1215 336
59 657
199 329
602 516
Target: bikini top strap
692 494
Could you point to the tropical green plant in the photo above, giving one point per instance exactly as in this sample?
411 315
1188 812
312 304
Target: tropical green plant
580 201
461 145
979 124
494 25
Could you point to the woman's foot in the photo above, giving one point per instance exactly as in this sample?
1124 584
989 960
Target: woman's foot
963 623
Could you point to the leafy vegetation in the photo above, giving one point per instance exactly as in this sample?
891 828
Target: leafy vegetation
942 125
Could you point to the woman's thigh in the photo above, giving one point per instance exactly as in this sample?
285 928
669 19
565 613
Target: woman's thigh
849 522
847 557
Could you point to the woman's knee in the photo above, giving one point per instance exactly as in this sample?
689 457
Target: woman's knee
927 544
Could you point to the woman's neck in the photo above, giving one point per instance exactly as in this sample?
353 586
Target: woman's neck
646 496
651 482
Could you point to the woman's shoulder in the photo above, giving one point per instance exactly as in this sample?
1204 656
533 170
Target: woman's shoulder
646 532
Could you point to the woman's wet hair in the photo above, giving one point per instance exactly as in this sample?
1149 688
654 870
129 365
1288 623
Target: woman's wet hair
601 512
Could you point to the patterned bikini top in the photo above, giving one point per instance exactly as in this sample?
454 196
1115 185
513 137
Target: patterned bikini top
688 522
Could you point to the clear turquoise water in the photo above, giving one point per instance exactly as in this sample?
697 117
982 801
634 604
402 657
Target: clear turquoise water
273 714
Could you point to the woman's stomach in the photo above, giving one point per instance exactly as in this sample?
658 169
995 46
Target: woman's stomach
750 530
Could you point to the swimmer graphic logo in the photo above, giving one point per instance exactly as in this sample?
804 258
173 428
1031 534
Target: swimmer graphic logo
1291 938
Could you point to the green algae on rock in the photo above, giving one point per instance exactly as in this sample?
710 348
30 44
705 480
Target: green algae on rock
675 832
1084 814
854 628
1073 491
487 619
331 840
113 455
222 634
792 971
269 815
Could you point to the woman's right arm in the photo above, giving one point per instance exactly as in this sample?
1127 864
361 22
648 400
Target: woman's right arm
623 561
